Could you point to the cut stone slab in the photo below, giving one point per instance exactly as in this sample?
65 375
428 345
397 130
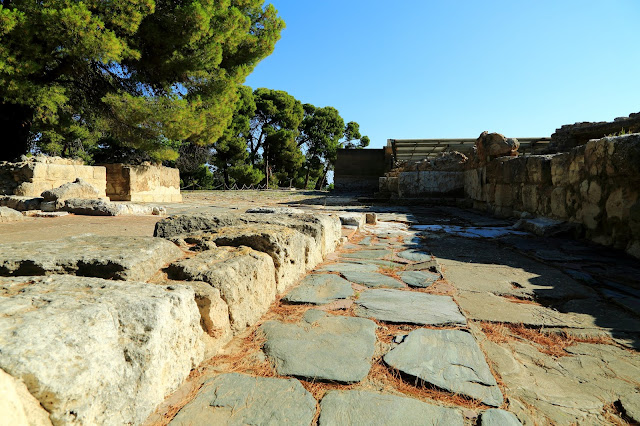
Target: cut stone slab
96 351
324 229
362 408
10 215
369 254
372 279
388 264
319 289
631 406
287 247
238 399
497 417
366 241
408 307
119 258
17 406
421 279
448 359
415 255
245 278
90 207
492 308
276 210
321 347
348 267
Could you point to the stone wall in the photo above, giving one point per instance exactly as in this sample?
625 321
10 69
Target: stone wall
427 182
359 169
595 185
572 135
37 174
144 183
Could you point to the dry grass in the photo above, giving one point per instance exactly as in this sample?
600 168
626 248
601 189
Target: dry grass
549 343
515 299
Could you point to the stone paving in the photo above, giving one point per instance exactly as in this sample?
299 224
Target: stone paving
436 325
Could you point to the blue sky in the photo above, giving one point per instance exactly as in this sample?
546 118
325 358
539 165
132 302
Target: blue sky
454 68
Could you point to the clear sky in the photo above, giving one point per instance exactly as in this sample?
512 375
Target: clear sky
454 68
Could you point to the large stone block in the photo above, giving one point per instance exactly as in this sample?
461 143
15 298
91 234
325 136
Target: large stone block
245 278
17 406
120 258
94 351
539 169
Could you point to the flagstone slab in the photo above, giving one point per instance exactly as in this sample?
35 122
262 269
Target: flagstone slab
238 399
448 359
348 267
497 417
321 347
421 279
409 307
415 255
370 254
355 407
373 279
319 289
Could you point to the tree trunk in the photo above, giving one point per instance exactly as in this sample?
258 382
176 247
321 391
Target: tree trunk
320 181
225 173
15 125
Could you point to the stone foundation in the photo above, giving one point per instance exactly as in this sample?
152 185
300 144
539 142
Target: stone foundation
35 175
144 183
596 186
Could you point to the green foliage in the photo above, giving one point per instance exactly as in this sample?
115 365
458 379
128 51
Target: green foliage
147 74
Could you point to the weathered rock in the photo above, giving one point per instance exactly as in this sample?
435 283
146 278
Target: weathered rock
238 399
415 255
408 307
94 351
10 215
448 359
20 203
79 188
324 229
352 219
497 417
372 279
287 247
371 218
356 407
120 258
275 210
321 347
545 227
419 278
245 278
348 267
319 289
496 145
17 406
631 406
89 207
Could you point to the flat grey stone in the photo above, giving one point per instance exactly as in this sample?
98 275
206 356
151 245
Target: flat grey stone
366 241
631 406
388 264
348 267
355 408
497 417
120 258
370 254
373 279
419 278
430 265
408 307
319 289
415 255
321 347
448 359
238 399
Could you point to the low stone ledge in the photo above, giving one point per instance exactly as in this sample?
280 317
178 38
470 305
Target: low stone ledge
94 351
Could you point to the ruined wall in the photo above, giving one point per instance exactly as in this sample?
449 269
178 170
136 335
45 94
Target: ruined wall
144 183
359 169
595 185
572 135
37 174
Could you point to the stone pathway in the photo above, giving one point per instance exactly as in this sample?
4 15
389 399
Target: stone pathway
417 326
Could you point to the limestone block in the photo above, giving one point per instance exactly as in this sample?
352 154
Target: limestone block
539 169
120 258
503 195
530 198
20 203
245 278
352 219
408 183
287 247
577 170
590 215
79 188
619 203
95 351
10 215
17 406
558 203
559 169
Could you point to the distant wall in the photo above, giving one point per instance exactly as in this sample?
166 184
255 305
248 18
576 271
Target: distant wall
145 183
596 185
418 183
359 169
572 135
33 176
